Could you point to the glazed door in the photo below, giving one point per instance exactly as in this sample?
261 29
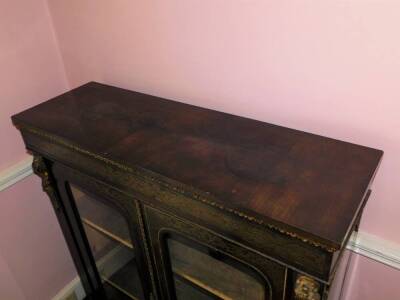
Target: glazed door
198 264
106 227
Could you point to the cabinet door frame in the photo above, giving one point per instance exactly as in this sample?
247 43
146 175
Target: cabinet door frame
127 206
160 224
42 167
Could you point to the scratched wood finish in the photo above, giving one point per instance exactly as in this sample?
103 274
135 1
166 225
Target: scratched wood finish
309 183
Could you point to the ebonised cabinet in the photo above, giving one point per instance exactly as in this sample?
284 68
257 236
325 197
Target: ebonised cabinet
162 200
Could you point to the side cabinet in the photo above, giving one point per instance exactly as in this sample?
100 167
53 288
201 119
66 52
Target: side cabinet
126 250
160 200
125 247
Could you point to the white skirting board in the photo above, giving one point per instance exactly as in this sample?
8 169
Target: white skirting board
376 248
16 172
363 243
75 286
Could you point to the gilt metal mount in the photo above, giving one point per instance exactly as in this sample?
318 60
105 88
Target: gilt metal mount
40 168
306 288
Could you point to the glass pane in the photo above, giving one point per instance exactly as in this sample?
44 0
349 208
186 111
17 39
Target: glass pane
102 217
204 274
186 290
111 246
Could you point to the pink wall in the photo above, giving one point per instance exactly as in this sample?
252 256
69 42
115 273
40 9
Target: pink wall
34 263
369 280
328 67
31 67
8 286
31 242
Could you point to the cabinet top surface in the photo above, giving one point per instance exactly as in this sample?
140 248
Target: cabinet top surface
305 181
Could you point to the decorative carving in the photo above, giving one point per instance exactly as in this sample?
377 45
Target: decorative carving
306 288
39 168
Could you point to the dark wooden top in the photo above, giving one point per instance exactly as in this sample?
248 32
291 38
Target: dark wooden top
305 181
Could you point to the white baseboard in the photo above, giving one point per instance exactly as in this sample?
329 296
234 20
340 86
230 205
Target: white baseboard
376 248
74 286
368 245
16 172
